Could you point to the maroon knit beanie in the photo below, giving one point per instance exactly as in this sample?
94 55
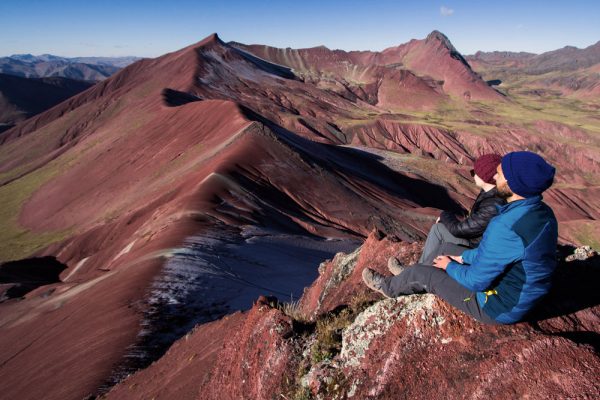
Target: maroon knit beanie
485 167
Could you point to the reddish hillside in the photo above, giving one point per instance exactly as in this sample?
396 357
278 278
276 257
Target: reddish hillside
434 57
567 71
129 176
118 183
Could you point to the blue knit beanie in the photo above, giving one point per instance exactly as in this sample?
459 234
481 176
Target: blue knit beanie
527 173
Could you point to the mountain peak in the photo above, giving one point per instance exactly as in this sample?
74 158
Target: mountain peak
211 39
440 37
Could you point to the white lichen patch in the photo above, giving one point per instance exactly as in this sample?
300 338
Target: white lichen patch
353 387
376 320
343 266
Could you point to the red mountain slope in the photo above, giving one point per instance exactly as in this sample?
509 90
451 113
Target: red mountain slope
113 182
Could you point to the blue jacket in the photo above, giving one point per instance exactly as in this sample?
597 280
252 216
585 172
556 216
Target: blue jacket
512 267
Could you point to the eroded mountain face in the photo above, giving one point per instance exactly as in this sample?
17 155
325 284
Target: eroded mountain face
242 144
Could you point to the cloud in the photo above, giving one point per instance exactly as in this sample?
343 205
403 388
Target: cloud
445 11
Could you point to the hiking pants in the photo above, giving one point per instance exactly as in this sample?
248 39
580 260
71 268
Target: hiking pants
438 240
421 278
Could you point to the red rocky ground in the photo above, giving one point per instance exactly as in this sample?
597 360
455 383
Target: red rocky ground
411 347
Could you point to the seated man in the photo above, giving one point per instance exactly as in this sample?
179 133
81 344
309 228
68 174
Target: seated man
501 280
452 236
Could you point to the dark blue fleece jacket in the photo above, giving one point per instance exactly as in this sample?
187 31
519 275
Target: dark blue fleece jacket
512 267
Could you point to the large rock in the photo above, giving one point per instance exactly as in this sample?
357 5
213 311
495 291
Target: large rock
420 347
414 346
242 356
340 279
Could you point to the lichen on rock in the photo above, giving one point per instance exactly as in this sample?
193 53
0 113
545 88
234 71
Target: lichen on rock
343 265
581 254
376 320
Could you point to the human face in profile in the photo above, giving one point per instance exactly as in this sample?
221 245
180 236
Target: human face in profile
502 184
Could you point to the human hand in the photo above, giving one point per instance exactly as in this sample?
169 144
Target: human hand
458 259
441 262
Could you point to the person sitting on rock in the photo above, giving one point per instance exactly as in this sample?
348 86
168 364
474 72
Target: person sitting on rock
452 236
502 279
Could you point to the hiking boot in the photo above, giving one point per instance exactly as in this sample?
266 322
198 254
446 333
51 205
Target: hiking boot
395 266
374 280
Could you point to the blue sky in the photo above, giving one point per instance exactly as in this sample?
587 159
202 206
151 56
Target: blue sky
151 28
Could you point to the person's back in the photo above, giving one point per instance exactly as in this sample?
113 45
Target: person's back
472 228
533 227
501 280
511 269
449 235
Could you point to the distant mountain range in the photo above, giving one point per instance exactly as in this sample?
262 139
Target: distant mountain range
567 71
31 84
47 65
568 58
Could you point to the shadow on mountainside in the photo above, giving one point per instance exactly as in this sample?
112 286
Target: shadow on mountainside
362 164
175 98
18 278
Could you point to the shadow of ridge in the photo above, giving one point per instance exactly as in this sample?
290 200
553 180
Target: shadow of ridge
175 98
29 274
574 288
5 127
364 165
275 69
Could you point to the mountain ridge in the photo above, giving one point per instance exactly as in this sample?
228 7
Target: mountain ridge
115 182
48 65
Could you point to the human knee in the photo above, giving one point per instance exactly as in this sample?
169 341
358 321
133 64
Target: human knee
418 272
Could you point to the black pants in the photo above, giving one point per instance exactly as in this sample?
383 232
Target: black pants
421 278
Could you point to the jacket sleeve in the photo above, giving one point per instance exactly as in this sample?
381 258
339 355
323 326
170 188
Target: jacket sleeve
474 225
469 255
500 247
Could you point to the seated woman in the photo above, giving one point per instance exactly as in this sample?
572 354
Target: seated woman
449 235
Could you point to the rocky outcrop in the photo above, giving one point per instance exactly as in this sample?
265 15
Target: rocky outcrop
343 342
340 279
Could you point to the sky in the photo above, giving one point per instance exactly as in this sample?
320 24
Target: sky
149 28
